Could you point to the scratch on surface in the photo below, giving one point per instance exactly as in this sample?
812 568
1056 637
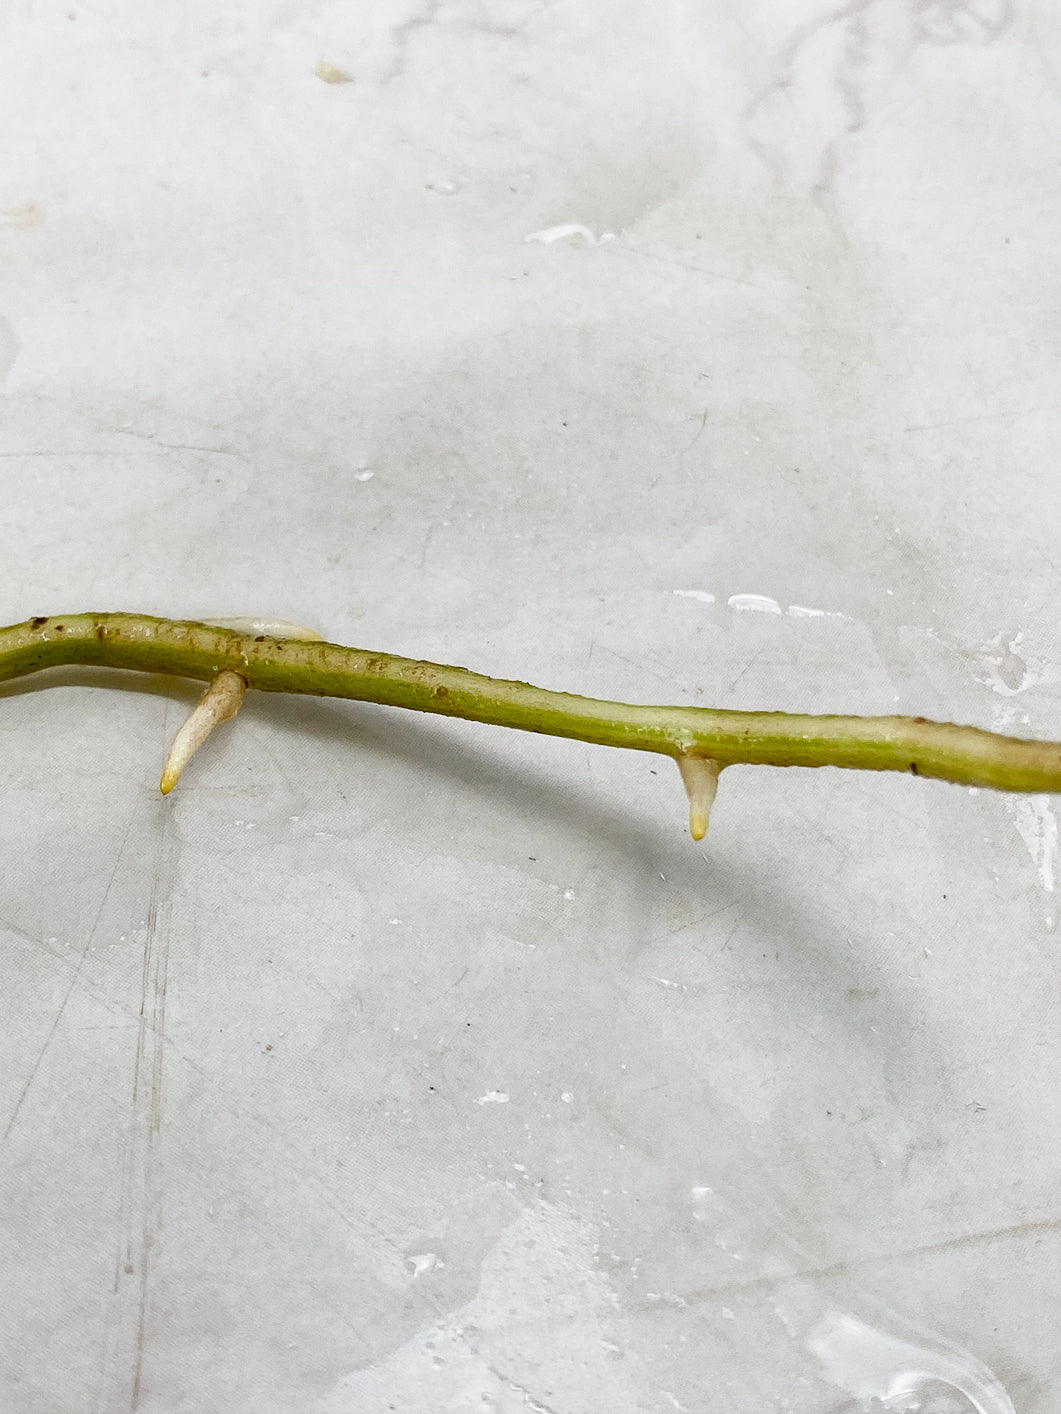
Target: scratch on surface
731 934
964 1241
172 446
634 663
642 665
91 989
60 452
125 1323
74 980
747 667
426 543
637 252
699 432
264 750
878 804
147 1097
677 929
981 417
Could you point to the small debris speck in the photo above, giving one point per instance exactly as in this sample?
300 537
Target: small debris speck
328 73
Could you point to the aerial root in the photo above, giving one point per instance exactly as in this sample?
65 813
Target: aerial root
700 777
224 697
220 702
268 628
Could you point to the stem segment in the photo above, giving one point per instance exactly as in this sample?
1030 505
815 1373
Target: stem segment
965 755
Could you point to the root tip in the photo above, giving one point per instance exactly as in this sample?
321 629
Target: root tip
219 703
700 777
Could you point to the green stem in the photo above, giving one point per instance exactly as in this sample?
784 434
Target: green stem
966 755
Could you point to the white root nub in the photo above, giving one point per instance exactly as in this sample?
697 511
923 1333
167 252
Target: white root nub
221 701
269 628
700 777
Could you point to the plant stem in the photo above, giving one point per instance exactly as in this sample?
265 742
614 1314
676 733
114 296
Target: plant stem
966 755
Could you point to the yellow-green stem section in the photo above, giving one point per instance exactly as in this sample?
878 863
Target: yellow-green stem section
966 755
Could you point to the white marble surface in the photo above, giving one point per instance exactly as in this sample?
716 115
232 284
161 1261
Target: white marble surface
397 1063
